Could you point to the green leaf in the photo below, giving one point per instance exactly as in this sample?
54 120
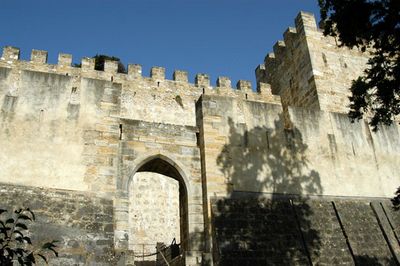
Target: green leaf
20 251
43 257
27 240
54 251
18 233
3 231
10 221
21 225
10 252
24 217
48 245
31 212
31 258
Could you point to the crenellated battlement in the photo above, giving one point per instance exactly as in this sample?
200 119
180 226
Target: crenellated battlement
283 49
180 76
288 69
305 22
307 69
10 53
289 37
279 49
39 56
157 78
301 69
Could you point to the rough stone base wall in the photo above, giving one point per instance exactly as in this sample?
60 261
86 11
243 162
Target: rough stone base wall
82 223
294 231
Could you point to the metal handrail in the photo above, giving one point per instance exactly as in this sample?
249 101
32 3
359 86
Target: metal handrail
162 249
162 255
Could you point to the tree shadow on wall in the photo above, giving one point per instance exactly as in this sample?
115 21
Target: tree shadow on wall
273 228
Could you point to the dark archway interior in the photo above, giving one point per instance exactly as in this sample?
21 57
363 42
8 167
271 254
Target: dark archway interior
160 166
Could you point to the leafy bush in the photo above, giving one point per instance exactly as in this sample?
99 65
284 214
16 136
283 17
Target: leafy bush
99 60
15 241
396 200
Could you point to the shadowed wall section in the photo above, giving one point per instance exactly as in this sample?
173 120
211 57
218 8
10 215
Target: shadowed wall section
300 158
259 230
261 147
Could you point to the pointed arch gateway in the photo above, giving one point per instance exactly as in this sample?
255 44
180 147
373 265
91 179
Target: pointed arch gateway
161 179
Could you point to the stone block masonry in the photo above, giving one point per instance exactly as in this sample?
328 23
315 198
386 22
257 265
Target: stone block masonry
275 230
154 214
309 70
110 161
82 223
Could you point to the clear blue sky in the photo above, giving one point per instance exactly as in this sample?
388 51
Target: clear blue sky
217 37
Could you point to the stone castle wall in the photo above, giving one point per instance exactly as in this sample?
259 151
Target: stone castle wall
70 128
82 223
79 130
309 70
313 231
154 214
253 146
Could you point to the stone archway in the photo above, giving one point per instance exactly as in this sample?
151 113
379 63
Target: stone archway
183 169
158 205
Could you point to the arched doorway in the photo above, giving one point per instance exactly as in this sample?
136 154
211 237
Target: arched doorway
158 207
